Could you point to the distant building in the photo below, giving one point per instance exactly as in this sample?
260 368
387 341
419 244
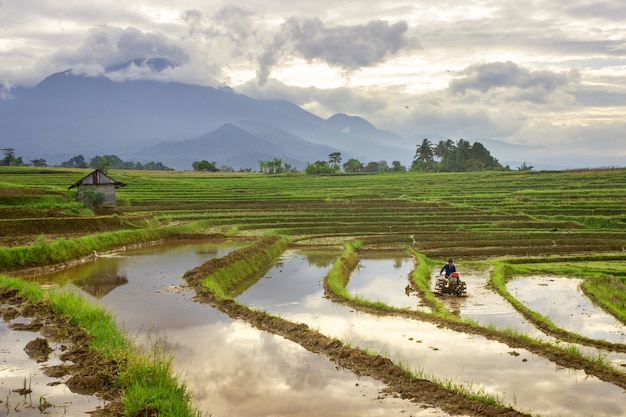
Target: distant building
98 182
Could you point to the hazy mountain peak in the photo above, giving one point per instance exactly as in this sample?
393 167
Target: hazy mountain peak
343 121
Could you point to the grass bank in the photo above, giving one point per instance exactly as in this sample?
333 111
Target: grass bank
230 275
145 378
45 252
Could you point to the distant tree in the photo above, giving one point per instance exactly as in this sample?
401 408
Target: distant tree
9 156
443 149
76 162
318 167
463 149
396 166
424 151
204 166
480 158
525 167
39 163
104 164
153 166
275 166
353 165
10 159
291 169
334 159
371 167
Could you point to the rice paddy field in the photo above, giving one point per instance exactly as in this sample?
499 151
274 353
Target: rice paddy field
501 226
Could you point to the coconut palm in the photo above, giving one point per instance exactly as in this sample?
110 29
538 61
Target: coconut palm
444 149
424 152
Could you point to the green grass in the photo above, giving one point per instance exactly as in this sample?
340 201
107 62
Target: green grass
235 272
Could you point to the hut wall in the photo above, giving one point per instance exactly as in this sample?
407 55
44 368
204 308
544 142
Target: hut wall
107 189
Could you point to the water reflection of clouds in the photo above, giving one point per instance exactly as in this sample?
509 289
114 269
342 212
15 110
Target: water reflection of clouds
18 369
562 301
384 280
255 373
522 378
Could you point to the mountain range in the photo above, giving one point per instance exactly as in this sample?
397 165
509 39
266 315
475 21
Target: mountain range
66 115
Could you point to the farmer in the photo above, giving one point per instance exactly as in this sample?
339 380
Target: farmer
448 268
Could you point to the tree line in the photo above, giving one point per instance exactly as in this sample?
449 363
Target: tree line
444 156
106 162
449 156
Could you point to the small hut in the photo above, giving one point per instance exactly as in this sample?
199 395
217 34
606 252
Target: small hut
97 182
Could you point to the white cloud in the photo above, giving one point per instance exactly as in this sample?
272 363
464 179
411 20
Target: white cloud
552 75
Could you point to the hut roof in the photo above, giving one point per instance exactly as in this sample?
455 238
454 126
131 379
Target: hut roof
97 177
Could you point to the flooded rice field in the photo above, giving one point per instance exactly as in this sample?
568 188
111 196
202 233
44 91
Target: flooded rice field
487 307
230 367
561 300
520 378
234 369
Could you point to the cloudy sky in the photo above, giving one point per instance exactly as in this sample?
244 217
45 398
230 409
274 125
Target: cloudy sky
549 75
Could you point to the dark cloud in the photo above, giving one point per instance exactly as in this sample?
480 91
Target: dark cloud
530 85
345 47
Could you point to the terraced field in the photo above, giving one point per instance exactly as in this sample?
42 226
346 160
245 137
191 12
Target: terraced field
515 223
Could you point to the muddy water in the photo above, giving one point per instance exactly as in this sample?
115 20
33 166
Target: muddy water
519 377
231 368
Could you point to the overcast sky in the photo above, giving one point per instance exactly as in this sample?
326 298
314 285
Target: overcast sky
550 74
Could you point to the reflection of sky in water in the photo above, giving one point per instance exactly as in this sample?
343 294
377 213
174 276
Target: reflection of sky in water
238 370
565 305
293 291
17 369
384 279
485 306
231 368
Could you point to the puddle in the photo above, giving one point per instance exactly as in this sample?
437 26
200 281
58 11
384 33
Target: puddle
561 300
385 278
292 290
231 368
24 389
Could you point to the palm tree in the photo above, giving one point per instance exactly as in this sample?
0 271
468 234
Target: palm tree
424 152
463 148
444 149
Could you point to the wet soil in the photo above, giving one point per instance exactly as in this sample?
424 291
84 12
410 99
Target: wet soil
86 372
